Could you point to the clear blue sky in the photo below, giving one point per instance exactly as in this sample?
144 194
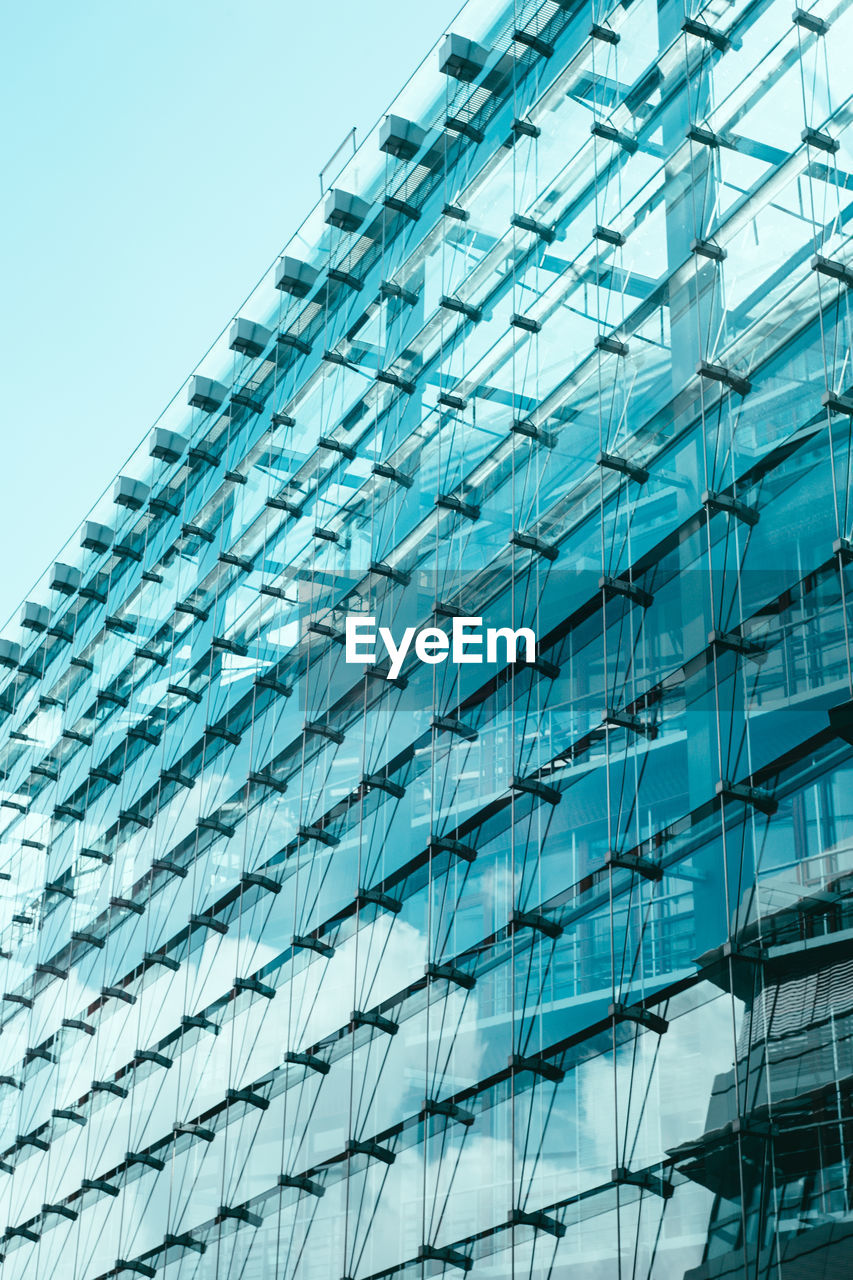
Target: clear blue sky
156 155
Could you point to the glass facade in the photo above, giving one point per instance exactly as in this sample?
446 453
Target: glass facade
536 970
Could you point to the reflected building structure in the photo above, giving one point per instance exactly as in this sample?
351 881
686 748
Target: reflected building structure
540 970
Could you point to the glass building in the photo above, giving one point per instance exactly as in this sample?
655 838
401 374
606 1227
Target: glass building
544 970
